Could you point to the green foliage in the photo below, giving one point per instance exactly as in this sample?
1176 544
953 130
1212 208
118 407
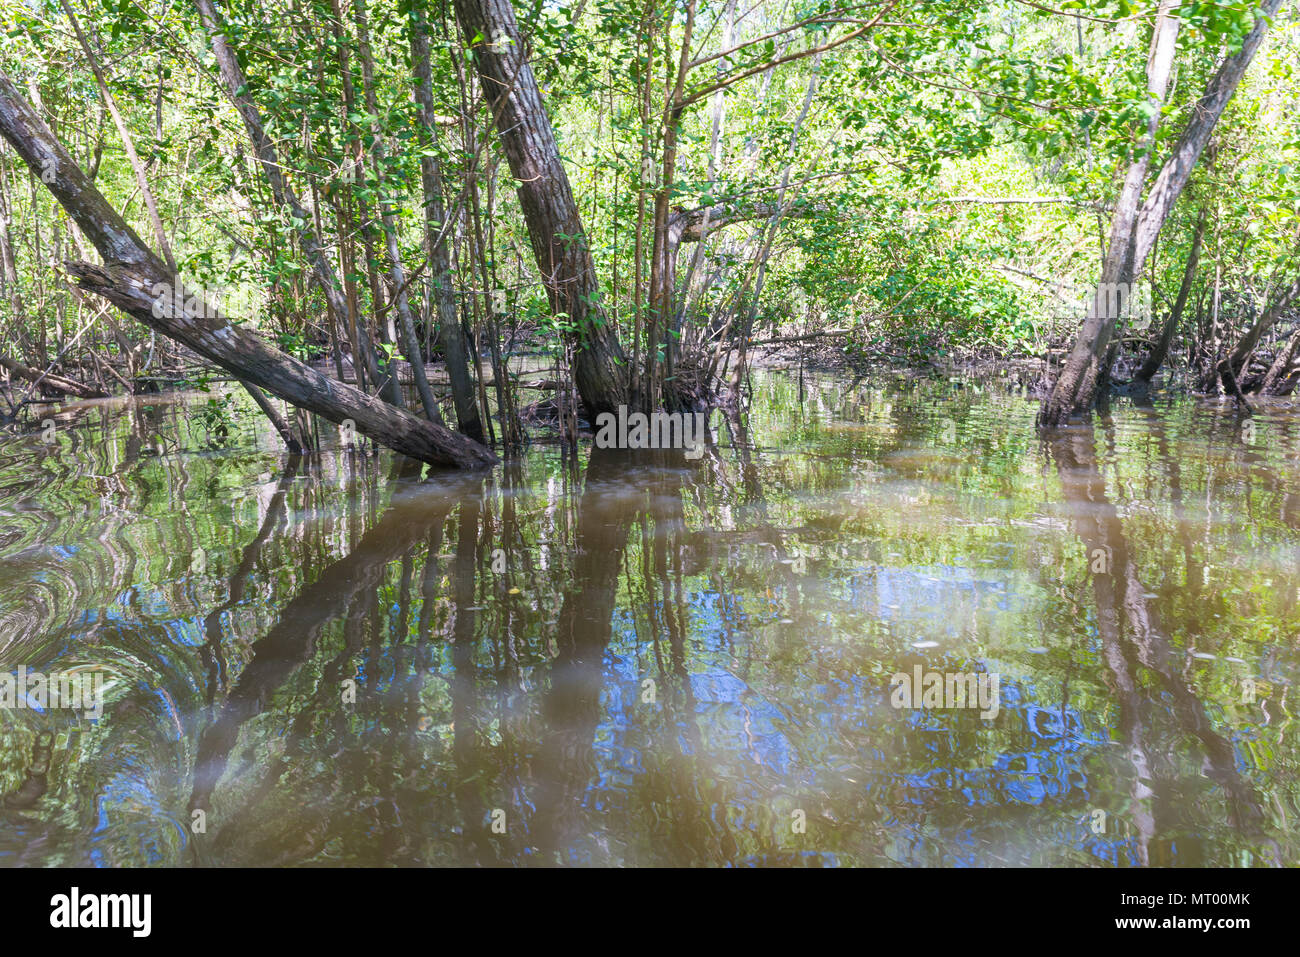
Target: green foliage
942 103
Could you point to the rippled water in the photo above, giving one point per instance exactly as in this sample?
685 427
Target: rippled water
639 659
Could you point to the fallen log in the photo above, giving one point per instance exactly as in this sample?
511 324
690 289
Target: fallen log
52 382
824 334
132 275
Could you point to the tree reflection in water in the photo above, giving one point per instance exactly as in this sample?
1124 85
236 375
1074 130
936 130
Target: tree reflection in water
650 660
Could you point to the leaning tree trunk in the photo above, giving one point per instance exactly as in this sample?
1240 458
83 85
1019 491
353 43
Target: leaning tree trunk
232 75
1134 231
132 275
1077 385
554 225
1231 365
155 217
1280 380
1156 357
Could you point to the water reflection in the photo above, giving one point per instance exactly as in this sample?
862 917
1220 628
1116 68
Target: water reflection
1133 639
640 659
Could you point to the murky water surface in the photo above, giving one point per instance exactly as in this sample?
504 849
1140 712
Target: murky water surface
639 659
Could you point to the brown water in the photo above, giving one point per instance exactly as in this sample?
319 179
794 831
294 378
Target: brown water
638 659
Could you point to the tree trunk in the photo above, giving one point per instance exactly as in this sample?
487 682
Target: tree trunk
401 303
1279 380
277 421
663 258
1155 359
1232 364
1133 230
718 108
232 74
8 260
53 383
132 274
455 345
384 384
554 225
1076 387
128 142
155 218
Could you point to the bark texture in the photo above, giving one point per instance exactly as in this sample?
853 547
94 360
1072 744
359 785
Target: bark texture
554 225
